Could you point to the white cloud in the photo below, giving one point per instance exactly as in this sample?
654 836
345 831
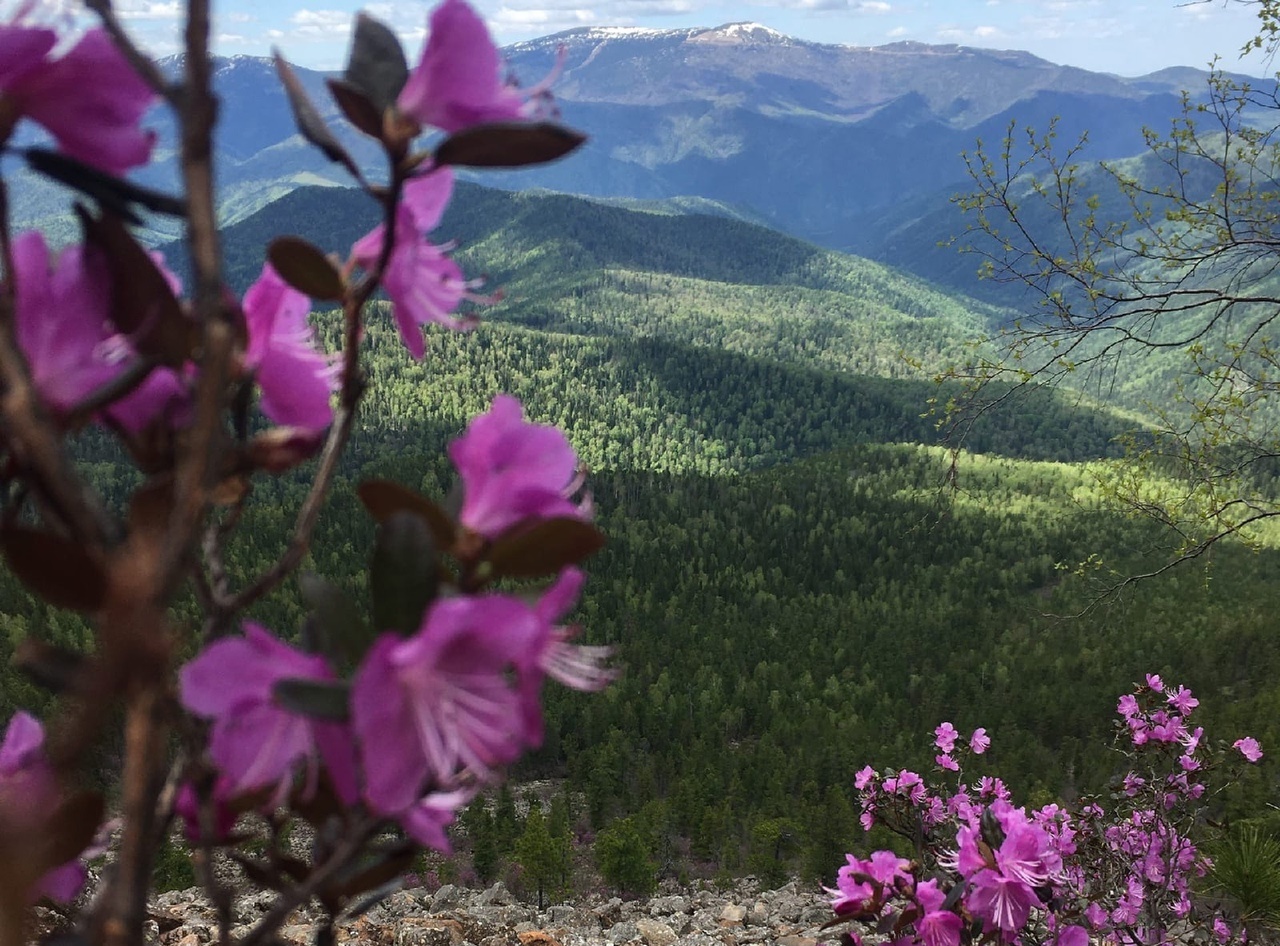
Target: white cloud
898 31
872 6
149 9
534 22
321 24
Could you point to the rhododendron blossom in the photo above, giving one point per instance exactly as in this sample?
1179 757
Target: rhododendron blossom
89 99
296 380
425 286
458 81
1249 748
513 471
257 743
443 700
29 798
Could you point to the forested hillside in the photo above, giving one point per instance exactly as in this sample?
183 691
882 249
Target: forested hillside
801 577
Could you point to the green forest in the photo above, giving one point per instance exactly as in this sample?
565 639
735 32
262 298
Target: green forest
802 575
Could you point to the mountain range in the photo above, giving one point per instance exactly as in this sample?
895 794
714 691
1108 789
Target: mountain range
849 147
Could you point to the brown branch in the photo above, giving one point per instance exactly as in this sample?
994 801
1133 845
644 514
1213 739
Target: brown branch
352 389
344 854
142 64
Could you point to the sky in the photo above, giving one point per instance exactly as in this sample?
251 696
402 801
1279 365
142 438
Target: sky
1127 37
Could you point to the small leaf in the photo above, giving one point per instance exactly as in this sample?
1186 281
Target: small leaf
55 668
382 867
305 268
143 305
508 145
403 575
544 548
384 498
107 191
376 65
57 569
357 107
72 827
342 632
316 699
307 117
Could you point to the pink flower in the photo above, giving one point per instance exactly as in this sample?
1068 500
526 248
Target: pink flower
1182 700
427 706
426 820
29 798
90 99
296 380
513 471
864 777
945 737
255 742
1155 683
1127 706
63 327
935 926
576 666
979 742
945 761
458 82
1001 902
424 284
1249 748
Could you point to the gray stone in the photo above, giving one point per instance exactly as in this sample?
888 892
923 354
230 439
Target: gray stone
732 915
445 898
498 896
665 906
655 933
623 932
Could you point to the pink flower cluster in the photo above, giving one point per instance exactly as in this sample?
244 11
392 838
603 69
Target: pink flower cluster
29 799
432 714
92 102
89 99
996 871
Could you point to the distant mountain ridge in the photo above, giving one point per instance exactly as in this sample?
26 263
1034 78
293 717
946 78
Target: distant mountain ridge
846 146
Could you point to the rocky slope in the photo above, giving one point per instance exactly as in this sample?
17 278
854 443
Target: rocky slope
451 916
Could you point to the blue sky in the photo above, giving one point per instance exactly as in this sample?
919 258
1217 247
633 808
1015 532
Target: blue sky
1129 37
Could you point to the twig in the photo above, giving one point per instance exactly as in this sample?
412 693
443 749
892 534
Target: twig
141 62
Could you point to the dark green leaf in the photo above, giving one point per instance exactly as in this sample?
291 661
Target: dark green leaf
403 575
317 699
544 548
376 65
342 632
307 117
383 499
107 191
362 113
54 668
382 867
58 570
143 305
305 268
508 145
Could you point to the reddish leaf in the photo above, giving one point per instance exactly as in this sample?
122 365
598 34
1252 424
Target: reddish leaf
72 827
57 569
383 499
376 65
142 303
307 117
305 268
508 145
361 112
55 668
385 866
544 548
